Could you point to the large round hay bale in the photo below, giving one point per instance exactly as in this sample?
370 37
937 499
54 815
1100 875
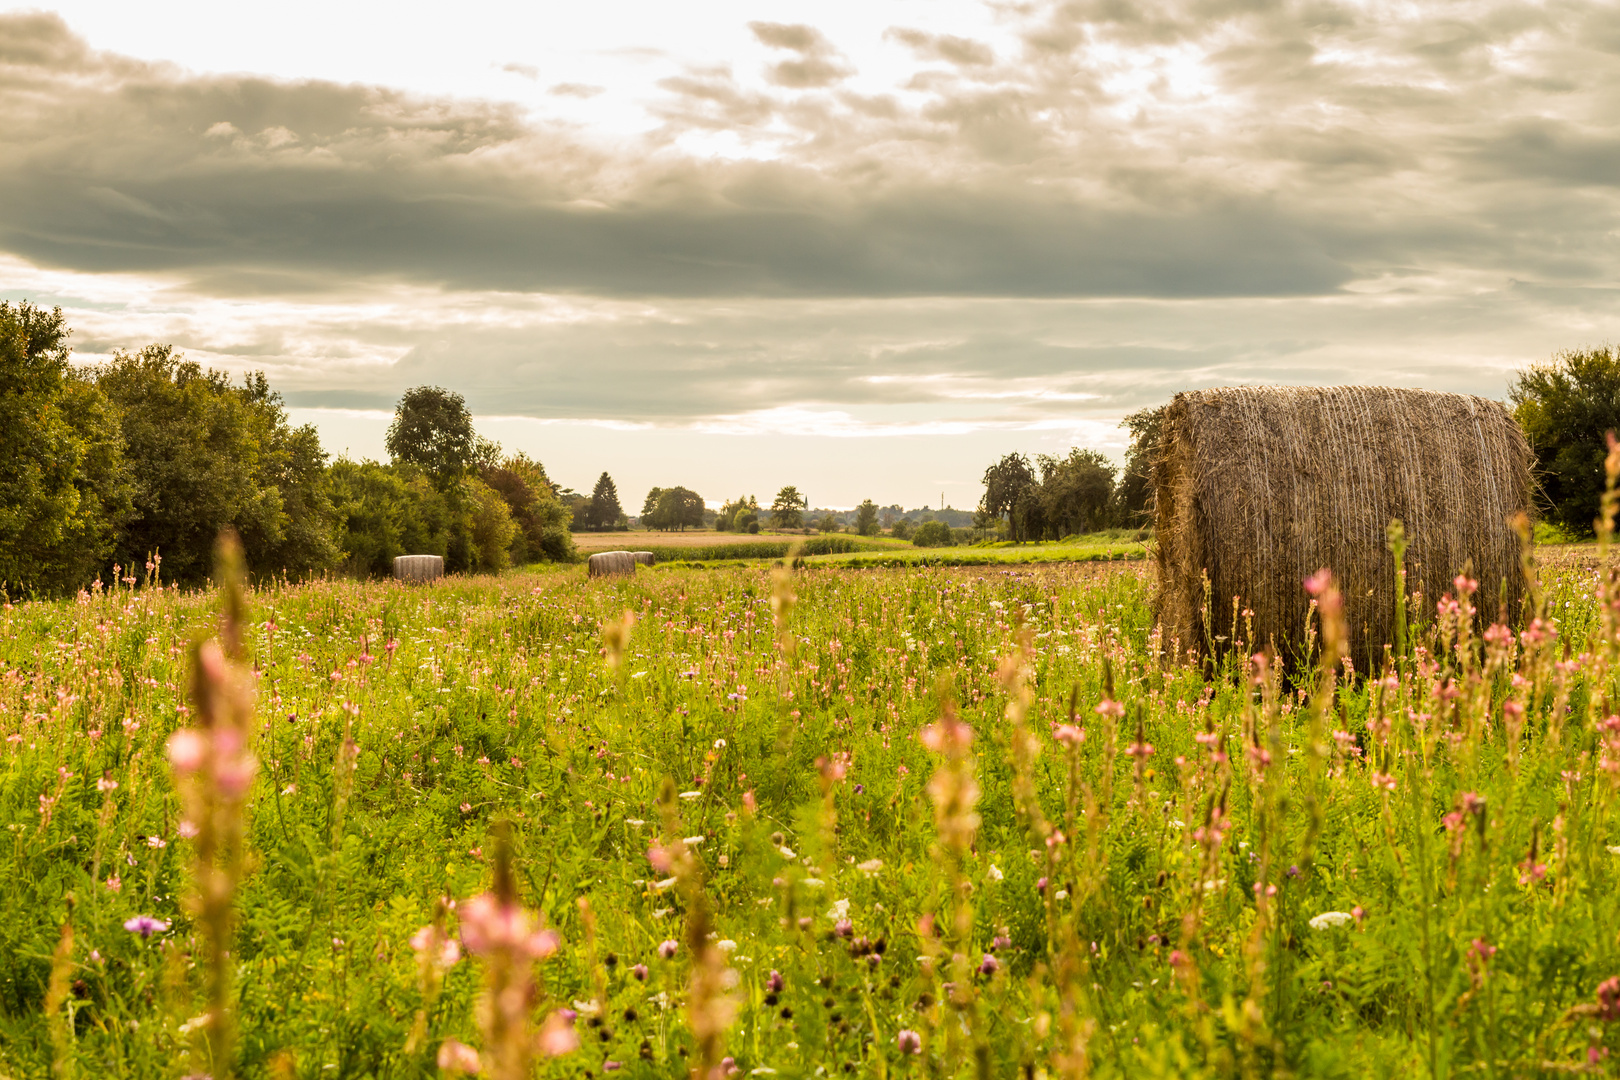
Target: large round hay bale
418 567
1259 487
644 558
608 563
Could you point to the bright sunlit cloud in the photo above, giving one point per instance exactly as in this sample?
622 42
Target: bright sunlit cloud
874 243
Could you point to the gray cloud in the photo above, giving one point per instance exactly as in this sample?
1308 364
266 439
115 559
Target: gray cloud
576 90
961 51
1135 199
817 64
1311 146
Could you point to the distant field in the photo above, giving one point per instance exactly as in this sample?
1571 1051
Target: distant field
875 552
638 540
1082 550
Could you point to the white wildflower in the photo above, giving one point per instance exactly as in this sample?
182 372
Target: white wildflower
1330 918
870 866
995 873
839 910
786 852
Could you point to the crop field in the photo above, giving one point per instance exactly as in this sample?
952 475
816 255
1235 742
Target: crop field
643 540
971 821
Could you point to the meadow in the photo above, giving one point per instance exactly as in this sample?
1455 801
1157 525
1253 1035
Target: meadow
746 820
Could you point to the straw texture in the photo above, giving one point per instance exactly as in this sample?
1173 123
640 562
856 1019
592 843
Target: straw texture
1260 487
419 567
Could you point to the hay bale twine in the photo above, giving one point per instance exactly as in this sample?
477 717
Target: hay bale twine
1260 487
644 558
608 563
418 567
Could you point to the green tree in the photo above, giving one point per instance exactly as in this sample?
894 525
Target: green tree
672 508
541 518
204 454
787 512
64 486
489 528
933 534
1133 495
866 518
901 529
603 511
1075 491
738 514
433 430
1564 408
828 522
293 463
383 512
1011 490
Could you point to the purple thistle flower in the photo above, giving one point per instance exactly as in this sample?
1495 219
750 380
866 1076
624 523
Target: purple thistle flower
145 925
667 950
990 965
908 1041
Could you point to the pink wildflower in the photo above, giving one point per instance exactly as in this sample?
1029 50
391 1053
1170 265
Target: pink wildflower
458 1057
557 1034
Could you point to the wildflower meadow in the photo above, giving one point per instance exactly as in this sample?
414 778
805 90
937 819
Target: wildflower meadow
806 822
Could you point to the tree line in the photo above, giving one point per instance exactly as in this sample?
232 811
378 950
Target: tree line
139 462
1567 407
1081 492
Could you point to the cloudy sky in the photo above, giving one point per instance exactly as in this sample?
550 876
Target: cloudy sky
863 247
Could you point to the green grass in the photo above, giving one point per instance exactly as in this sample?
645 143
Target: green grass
1104 548
850 552
809 793
767 549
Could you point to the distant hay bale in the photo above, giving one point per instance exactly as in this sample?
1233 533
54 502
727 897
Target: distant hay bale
1260 487
418 567
644 558
607 563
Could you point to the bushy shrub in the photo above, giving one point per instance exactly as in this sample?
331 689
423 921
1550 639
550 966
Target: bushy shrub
535 509
383 512
902 529
490 528
932 534
557 545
